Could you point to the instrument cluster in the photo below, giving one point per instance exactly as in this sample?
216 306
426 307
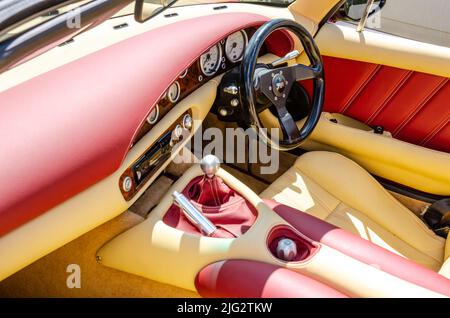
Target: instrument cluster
218 59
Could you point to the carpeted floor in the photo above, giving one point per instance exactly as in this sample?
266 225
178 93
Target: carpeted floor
47 277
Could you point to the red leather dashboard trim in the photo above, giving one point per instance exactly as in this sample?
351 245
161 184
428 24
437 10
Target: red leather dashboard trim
252 279
361 249
413 106
67 129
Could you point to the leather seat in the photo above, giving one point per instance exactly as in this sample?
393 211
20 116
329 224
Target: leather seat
334 188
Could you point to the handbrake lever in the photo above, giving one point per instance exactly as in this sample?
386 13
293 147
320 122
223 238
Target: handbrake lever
194 215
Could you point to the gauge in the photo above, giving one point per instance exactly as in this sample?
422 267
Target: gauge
174 92
183 75
153 117
210 61
235 46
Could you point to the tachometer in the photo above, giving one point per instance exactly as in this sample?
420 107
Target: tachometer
235 46
210 61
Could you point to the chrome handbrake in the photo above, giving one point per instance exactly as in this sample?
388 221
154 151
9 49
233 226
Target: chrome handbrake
194 215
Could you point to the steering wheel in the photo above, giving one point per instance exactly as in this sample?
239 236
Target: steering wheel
268 82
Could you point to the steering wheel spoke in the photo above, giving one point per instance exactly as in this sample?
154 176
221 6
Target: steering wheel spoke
302 72
288 125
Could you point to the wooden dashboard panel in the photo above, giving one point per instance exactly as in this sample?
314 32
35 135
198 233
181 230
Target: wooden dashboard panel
133 179
190 80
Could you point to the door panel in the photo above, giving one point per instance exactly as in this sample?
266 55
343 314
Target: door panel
413 106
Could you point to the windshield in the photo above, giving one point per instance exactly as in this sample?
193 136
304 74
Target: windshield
22 29
151 8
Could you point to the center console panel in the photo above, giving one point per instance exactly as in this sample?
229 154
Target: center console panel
166 248
154 157
229 211
305 248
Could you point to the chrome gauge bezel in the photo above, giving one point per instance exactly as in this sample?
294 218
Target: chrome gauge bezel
174 100
245 45
218 64
183 75
154 120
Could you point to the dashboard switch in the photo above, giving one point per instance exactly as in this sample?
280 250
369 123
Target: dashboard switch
233 90
127 184
177 133
223 111
187 122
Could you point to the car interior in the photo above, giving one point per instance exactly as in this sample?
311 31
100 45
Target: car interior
94 127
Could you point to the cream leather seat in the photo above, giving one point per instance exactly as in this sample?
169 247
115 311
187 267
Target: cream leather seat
339 191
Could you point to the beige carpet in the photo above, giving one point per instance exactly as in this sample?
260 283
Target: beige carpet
47 277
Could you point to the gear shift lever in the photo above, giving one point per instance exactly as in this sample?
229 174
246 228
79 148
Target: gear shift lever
207 205
210 164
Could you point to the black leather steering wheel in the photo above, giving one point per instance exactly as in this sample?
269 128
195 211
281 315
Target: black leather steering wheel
275 84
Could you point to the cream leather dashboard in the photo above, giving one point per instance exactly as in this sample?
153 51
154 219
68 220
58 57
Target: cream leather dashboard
105 35
89 209
97 204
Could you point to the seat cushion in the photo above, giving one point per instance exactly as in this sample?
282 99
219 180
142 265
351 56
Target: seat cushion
336 189
445 269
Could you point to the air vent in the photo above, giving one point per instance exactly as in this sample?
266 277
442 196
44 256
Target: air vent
51 13
220 8
120 26
169 15
67 42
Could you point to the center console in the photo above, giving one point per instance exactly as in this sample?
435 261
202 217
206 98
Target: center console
212 234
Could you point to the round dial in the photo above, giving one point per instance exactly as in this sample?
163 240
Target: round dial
174 92
210 61
183 75
235 46
153 117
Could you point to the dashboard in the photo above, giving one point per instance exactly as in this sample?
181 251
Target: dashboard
82 145
218 59
105 113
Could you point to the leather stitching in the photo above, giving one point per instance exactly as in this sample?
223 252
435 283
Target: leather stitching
435 131
405 78
359 90
419 107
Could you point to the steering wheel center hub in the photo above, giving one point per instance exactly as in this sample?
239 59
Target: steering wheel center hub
279 84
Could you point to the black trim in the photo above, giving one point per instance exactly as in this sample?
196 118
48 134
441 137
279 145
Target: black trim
169 15
346 17
120 26
409 192
67 42
139 9
330 14
220 8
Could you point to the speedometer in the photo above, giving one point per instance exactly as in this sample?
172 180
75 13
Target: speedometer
235 46
210 61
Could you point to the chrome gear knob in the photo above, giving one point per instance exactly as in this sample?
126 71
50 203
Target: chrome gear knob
210 164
